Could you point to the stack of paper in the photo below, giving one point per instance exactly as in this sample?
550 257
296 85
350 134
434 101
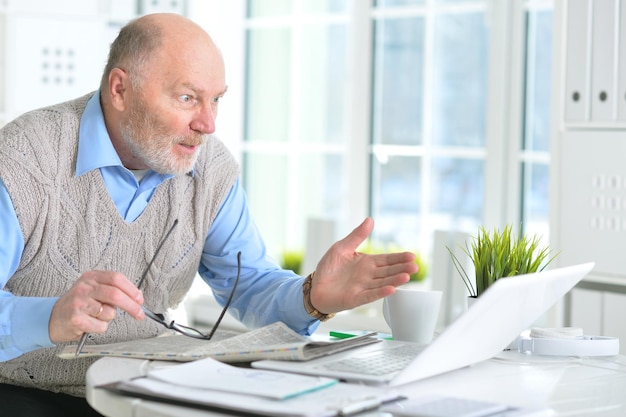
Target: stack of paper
209 384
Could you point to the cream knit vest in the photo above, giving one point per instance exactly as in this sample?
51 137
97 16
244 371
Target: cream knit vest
70 225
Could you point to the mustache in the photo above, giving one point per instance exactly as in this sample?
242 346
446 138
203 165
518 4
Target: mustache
194 139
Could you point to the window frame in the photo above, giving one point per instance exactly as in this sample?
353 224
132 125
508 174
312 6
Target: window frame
505 107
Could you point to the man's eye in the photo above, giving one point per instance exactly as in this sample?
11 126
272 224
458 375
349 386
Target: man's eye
185 98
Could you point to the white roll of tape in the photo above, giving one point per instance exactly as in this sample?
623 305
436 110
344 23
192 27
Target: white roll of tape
567 342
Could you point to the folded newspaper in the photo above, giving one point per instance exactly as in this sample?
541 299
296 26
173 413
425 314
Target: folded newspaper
275 341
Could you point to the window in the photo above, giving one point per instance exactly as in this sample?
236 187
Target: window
536 116
296 127
425 114
428 115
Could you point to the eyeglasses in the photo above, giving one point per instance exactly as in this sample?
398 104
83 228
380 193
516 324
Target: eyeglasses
160 318
180 328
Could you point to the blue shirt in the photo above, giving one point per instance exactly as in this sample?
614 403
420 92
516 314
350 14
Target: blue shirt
24 320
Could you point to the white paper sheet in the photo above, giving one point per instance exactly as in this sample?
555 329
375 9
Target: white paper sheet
210 374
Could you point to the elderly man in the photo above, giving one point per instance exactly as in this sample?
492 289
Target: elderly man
90 188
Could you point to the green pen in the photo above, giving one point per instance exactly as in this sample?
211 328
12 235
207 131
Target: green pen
341 334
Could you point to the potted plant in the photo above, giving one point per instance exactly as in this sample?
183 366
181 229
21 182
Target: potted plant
500 254
292 259
422 270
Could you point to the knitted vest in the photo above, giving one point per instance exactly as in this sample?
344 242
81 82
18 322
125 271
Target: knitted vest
71 225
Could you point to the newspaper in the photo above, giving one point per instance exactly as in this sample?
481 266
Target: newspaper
275 341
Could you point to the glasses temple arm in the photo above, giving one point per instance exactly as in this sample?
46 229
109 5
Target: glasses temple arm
145 272
232 293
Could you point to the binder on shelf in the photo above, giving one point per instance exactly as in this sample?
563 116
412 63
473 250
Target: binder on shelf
603 70
578 45
621 68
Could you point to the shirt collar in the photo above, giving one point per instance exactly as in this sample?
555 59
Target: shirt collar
95 149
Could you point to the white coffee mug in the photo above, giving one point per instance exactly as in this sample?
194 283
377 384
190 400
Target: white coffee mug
412 314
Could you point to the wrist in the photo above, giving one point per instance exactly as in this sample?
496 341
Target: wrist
307 286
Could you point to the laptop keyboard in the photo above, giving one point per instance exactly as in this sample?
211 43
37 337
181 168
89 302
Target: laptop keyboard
377 363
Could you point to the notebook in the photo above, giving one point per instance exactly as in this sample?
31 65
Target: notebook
508 307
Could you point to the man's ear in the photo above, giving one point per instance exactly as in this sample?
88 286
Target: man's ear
119 88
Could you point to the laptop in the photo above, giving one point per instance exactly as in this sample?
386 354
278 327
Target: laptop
506 309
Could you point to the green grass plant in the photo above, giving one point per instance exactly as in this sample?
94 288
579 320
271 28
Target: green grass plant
292 260
498 254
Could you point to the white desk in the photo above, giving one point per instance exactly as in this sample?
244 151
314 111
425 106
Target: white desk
572 387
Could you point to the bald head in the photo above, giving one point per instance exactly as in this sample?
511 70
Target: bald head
155 36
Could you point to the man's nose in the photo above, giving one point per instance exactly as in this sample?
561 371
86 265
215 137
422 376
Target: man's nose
204 121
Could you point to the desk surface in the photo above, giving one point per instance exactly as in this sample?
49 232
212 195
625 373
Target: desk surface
570 386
